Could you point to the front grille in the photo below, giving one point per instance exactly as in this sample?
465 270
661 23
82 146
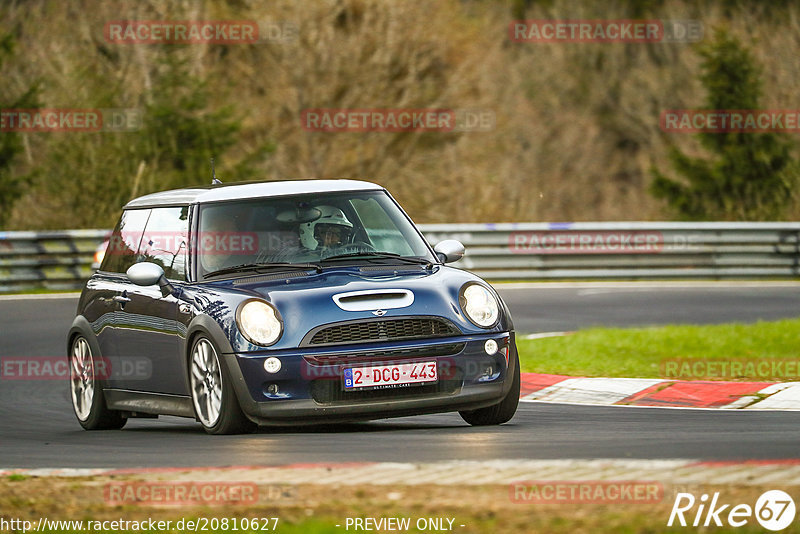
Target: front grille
381 330
327 391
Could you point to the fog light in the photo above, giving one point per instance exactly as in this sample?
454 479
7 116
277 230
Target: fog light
272 389
273 365
490 346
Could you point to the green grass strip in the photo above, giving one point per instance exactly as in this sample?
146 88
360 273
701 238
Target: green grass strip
644 352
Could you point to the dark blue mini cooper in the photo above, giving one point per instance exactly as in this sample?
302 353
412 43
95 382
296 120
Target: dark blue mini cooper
285 302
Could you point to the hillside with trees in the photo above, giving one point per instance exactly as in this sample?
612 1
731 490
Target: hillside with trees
576 133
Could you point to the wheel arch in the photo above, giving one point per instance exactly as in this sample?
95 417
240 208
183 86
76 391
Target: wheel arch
204 325
80 326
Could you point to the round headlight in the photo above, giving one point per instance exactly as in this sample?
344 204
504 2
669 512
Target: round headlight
479 305
259 322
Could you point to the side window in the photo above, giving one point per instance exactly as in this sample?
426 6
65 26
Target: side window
166 239
124 241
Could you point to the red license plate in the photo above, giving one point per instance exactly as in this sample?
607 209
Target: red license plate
402 374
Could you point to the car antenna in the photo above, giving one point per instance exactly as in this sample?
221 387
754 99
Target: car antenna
214 180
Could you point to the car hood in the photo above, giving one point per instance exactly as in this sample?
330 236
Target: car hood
306 300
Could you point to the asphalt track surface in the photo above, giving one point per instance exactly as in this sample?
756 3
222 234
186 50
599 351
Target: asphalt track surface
38 429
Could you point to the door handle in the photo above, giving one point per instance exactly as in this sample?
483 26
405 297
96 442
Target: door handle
122 300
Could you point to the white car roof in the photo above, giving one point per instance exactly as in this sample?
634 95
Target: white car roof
245 190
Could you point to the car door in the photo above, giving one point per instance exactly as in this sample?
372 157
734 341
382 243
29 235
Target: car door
147 330
107 290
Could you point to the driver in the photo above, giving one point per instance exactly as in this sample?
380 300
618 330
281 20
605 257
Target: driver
330 230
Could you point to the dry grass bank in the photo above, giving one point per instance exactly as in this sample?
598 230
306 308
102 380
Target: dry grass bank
576 124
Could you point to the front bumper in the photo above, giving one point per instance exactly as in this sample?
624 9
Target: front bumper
308 388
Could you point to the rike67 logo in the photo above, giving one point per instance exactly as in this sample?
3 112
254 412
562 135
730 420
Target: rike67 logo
774 510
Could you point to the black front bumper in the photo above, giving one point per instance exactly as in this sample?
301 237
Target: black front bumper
309 385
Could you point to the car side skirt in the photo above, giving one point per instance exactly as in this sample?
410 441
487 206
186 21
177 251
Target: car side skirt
150 403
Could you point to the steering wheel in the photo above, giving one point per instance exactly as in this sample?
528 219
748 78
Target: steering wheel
353 248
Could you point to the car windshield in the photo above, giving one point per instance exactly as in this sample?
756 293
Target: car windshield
306 229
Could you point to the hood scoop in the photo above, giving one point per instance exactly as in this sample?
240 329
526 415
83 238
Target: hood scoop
383 299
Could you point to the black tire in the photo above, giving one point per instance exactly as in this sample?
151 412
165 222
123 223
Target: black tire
230 418
499 413
91 414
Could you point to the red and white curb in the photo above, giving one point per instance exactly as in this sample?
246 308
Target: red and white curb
465 472
659 392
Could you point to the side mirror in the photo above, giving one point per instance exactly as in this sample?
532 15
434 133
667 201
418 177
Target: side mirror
149 274
449 250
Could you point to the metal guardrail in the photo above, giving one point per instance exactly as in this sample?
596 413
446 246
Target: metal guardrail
507 251
626 250
50 260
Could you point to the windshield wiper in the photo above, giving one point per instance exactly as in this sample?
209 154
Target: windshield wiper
263 266
380 255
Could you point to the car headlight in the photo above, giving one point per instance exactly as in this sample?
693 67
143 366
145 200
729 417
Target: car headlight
479 305
259 322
